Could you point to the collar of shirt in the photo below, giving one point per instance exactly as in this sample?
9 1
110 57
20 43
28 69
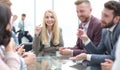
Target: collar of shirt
112 28
21 21
49 37
86 24
85 27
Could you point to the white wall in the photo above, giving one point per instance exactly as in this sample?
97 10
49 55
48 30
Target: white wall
41 7
24 6
97 7
68 20
65 10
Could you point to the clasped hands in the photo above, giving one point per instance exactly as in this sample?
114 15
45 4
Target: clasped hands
29 57
107 65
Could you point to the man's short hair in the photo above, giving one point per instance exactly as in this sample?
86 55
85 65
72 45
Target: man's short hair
77 2
24 15
113 5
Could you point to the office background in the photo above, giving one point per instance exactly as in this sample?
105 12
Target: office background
65 10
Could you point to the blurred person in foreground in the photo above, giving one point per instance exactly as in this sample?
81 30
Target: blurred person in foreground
9 60
25 58
8 3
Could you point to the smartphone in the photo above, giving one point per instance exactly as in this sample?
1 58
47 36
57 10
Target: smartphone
27 46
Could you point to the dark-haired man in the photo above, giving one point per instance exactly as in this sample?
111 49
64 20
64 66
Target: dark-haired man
106 49
23 30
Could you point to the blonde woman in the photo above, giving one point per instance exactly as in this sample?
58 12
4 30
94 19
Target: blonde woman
48 38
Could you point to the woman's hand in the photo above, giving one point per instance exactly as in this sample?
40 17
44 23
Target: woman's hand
37 30
20 50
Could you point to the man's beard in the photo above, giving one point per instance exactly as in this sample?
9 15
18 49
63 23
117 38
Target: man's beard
85 20
109 25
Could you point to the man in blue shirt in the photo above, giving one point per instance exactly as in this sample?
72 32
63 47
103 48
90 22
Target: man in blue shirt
22 30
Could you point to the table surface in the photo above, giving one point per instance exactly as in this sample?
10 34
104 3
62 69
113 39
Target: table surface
56 63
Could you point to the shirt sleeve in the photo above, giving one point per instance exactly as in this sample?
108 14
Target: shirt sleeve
89 57
86 42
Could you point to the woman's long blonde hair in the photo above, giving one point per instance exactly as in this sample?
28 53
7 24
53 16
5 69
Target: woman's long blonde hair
55 30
